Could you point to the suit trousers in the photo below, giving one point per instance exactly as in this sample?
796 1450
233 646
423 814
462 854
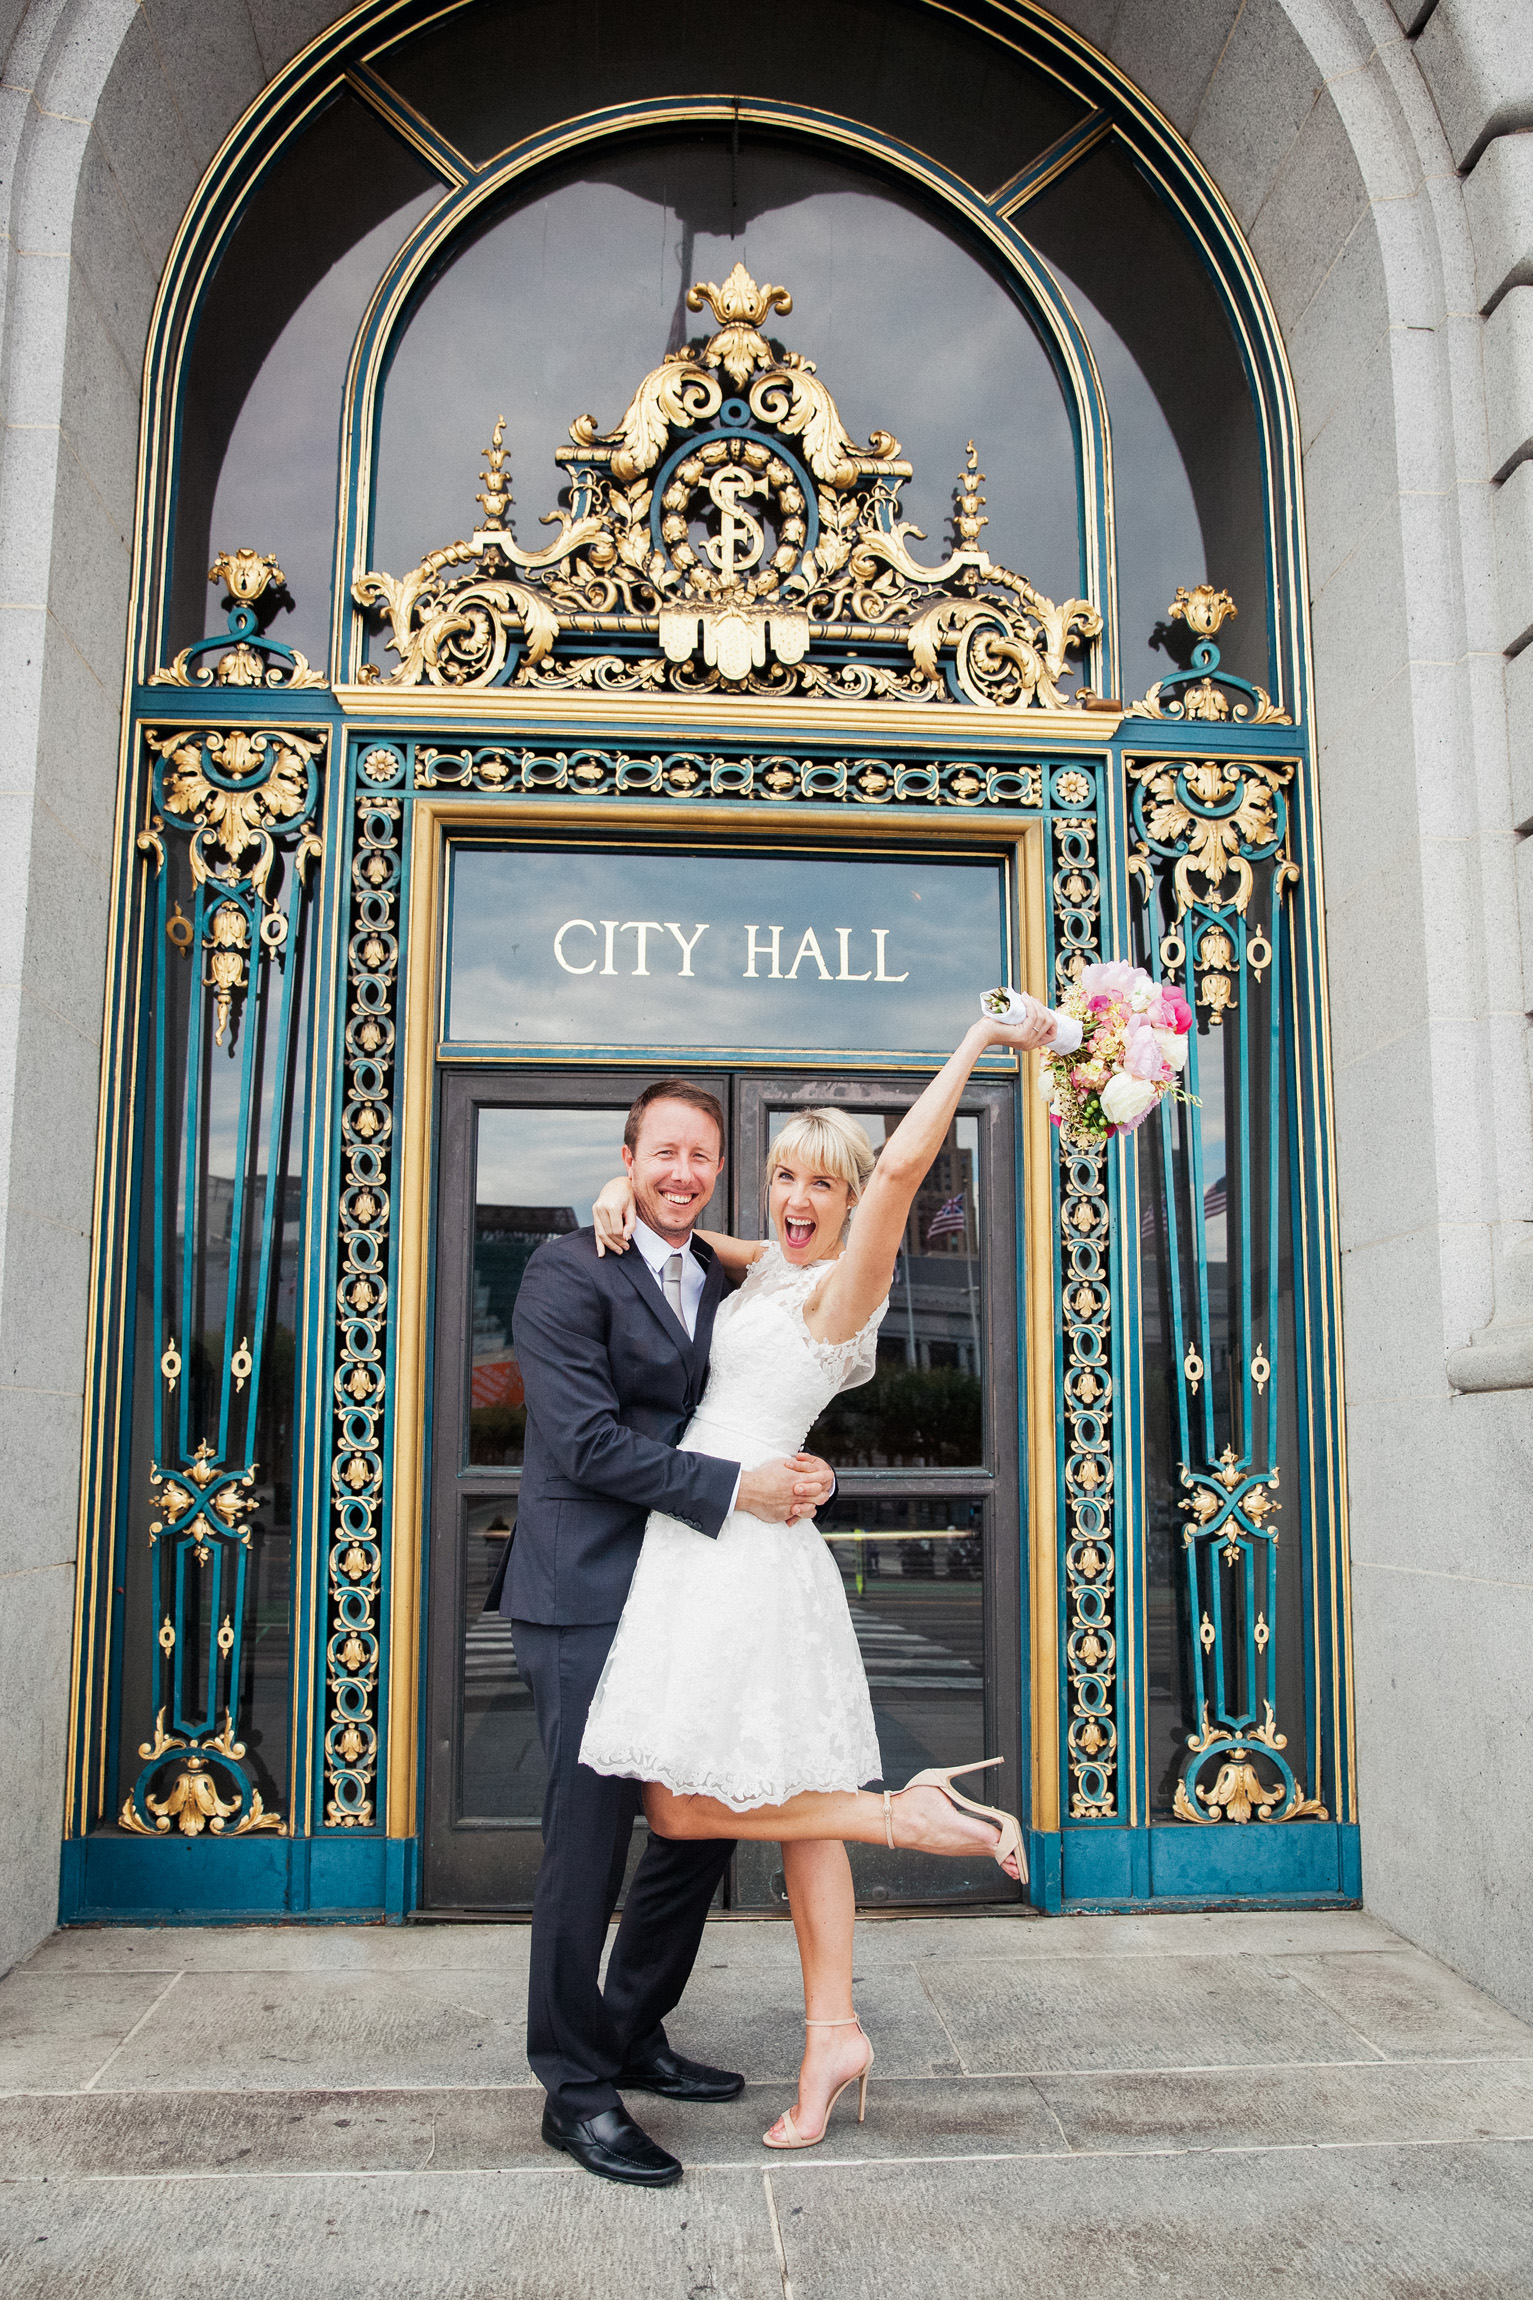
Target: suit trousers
579 2035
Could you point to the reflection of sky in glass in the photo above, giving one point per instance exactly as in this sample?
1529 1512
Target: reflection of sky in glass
548 1157
1159 538
941 923
277 486
564 304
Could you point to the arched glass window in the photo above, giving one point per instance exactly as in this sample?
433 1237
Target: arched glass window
262 387
595 265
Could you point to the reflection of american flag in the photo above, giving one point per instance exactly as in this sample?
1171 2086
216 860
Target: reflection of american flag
948 1221
1215 1207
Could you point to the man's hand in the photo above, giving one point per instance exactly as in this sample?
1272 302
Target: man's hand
781 1491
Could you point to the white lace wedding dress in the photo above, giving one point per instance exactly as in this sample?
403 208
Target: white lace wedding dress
735 1671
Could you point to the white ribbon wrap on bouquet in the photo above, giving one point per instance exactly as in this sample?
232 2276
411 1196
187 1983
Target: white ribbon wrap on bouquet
1006 1005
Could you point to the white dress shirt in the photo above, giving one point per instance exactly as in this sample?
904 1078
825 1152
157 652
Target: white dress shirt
694 1277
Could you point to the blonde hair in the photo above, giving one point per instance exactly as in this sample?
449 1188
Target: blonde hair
828 1141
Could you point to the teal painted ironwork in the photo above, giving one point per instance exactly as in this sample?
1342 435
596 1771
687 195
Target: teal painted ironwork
1087 1370
241 804
363 1378
1224 823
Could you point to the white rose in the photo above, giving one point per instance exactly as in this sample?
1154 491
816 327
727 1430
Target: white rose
1124 1098
1143 995
1045 1081
1173 1047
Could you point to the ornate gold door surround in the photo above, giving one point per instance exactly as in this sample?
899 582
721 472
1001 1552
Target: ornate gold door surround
730 637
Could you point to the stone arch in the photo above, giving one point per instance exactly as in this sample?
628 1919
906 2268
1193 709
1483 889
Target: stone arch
1324 125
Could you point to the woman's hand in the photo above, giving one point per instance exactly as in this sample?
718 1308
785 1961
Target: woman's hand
613 1216
1024 1036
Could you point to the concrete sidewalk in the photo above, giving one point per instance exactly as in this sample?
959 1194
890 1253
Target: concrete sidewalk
1221 2106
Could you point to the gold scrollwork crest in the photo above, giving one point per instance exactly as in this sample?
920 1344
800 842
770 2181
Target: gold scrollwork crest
728 534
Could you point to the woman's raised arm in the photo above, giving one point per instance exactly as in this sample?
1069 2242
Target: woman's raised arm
861 1278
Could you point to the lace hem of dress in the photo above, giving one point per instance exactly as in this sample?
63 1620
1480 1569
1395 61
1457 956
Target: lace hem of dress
740 1797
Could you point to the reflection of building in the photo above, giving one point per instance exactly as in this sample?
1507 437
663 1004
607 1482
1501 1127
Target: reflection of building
505 1240
217 1196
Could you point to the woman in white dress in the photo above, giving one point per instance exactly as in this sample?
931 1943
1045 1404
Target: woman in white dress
734 1688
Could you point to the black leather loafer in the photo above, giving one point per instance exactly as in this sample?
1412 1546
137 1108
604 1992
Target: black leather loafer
678 2078
612 2146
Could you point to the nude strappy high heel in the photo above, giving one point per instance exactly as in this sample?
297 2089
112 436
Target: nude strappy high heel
795 2138
939 1777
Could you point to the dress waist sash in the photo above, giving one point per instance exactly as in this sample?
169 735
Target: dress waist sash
733 1441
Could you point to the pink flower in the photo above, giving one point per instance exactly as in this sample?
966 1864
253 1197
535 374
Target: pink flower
1113 975
1178 1012
1145 1059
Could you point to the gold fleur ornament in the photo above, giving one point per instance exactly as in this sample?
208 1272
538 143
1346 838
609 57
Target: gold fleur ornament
739 306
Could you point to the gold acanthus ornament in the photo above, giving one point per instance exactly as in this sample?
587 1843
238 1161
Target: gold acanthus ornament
1238 1789
728 533
249 659
266 784
192 1802
1215 695
1213 845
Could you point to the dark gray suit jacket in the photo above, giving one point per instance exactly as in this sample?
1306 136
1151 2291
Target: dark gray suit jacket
611 1382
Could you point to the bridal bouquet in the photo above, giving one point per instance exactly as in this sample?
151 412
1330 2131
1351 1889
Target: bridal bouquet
1121 1045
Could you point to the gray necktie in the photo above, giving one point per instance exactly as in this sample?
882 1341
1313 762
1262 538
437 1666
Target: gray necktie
670 1279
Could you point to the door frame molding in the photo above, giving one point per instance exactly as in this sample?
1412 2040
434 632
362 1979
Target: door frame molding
430 823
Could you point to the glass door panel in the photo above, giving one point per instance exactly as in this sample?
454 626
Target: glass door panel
536 1172
913 1567
501 1776
521 1160
923 1407
925 1527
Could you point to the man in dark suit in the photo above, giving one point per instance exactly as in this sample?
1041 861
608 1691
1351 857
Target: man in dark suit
614 1354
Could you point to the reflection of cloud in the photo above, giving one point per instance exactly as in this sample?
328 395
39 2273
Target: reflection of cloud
942 924
563 304
547 1157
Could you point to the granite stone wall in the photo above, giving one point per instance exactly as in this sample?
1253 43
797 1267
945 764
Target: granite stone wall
1381 160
